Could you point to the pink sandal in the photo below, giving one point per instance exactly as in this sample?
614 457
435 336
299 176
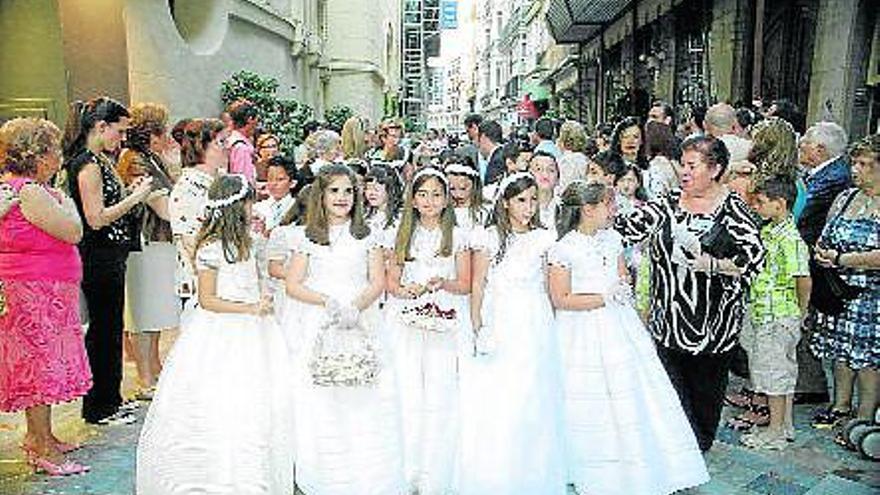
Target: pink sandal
64 468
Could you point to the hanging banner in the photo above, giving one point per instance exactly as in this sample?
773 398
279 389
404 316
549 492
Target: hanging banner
449 14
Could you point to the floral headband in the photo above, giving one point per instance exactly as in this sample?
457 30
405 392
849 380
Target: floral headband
509 180
459 169
432 172
214 207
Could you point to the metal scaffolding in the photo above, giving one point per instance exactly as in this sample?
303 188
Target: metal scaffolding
421 40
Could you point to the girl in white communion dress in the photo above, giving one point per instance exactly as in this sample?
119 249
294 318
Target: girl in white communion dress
626 431
220 420
347 417
428 279
512 425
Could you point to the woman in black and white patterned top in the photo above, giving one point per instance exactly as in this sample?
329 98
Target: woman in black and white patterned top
94 131
697 298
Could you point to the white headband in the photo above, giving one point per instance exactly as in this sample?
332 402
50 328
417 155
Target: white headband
459 169
432 172
213 207
510 179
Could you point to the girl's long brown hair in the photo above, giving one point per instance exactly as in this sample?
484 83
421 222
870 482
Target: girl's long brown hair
232 226
410 218
575 196
501 218
317 225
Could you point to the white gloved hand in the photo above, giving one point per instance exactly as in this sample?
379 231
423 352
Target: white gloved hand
685 243
348 316
332 309
621 294
484 342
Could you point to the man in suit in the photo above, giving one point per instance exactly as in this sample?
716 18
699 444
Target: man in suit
822 152
489 143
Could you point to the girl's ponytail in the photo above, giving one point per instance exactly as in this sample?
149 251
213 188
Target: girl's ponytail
575 196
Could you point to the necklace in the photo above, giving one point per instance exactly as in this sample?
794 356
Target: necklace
335 233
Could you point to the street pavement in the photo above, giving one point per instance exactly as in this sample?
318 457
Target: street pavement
813 465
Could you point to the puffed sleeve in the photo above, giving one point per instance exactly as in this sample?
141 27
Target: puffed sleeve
559 254
277 248
209 256
484 239
460 239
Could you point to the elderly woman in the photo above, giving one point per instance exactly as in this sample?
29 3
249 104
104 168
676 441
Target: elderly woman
327 146
42 357
704 248
573 162
850 246
93 135
150 275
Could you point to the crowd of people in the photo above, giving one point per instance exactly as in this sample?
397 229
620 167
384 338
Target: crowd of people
507 311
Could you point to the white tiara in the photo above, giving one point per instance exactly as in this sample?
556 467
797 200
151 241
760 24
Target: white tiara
510 179
214 207
459 169
432 172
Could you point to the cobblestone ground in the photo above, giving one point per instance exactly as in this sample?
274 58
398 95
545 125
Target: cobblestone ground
814 465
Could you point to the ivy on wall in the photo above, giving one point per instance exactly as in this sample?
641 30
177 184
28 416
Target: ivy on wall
337 115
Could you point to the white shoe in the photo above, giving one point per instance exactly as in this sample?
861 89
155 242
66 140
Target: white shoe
120 417
129 406
789 433
765 440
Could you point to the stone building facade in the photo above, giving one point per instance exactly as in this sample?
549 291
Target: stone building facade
177 52
816 53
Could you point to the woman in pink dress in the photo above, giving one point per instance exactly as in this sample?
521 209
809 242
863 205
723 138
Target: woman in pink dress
42 356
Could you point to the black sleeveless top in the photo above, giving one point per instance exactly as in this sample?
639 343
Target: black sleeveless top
118 235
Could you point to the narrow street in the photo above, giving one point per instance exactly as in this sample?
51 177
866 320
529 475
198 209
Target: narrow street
815 465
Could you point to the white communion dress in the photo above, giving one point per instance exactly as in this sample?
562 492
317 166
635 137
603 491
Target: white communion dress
220 420
426 361
348 439
512 424
626 430
283 241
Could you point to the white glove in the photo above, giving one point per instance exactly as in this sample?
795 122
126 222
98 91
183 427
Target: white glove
348 316
332 309
620 294
685 244
484 342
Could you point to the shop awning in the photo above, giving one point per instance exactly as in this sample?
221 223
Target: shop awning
533 86
578 21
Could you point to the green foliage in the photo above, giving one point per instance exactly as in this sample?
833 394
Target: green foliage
283 117
411 124
337 115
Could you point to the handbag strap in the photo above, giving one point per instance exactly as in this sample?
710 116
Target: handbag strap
846 202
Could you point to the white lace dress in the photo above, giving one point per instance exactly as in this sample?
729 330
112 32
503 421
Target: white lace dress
220 420
283 241
626 430
512 428
348 440
427 367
